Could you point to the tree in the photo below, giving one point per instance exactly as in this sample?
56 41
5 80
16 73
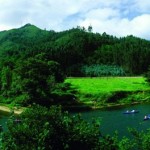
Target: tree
90 28
6 80
38 77
147 76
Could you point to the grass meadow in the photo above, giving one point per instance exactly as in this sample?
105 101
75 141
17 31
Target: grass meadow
102 89
108 84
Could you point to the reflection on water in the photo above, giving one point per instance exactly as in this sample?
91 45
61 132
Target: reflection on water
113 119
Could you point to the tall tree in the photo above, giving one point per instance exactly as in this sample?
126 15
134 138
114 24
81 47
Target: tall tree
38 77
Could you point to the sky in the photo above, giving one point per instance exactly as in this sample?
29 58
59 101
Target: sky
115 17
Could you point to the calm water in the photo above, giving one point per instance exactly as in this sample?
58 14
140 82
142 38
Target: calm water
113 119
3 119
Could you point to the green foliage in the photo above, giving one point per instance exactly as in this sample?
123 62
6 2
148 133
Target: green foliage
126 144
64 94
103 90
38 77
30 81
42 129
141 139
51 129
108 84
6 80
147 76
77 47
102 70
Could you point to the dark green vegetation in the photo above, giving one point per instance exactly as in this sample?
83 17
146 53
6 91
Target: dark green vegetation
35 62
43 129
50 129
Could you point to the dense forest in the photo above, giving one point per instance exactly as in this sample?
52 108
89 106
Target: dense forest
35 62
76 49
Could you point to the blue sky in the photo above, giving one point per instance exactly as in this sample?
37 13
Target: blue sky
115 17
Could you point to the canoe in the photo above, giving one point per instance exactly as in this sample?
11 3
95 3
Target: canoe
147 117
131 112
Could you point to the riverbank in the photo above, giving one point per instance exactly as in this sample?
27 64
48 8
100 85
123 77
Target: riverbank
105 92
14 110
103 107
116 105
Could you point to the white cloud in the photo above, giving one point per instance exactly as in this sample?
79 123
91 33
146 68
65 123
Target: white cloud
117 17
102 14
139 26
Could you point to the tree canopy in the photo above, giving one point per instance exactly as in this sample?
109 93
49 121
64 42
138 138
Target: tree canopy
76 47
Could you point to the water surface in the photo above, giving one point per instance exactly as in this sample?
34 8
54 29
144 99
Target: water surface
113 119
3 119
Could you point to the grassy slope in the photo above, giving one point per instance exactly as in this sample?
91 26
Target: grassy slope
103 89
108 84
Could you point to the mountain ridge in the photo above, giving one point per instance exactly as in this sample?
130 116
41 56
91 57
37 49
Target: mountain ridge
77 47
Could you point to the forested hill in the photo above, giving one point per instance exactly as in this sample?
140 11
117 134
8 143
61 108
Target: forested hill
79 52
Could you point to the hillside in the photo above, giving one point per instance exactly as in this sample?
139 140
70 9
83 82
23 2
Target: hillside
78 50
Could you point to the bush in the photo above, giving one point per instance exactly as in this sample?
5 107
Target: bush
42 128
116 96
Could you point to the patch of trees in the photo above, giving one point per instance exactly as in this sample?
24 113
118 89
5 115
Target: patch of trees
34 80
102 70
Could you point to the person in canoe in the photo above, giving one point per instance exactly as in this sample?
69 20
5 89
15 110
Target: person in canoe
131 112
147 117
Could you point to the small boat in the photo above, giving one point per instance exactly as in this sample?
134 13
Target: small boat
131 112
147 117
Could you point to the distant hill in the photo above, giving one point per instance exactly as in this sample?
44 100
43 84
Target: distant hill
23 37
76 48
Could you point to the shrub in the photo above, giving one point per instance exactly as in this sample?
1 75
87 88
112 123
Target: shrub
97 70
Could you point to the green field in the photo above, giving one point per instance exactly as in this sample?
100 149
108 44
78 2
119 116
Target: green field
108 84
108 90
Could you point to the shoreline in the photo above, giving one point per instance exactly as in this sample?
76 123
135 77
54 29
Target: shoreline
86 107
116 105
6 109
18 111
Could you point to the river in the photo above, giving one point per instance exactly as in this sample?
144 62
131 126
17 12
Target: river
113 119
3 119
